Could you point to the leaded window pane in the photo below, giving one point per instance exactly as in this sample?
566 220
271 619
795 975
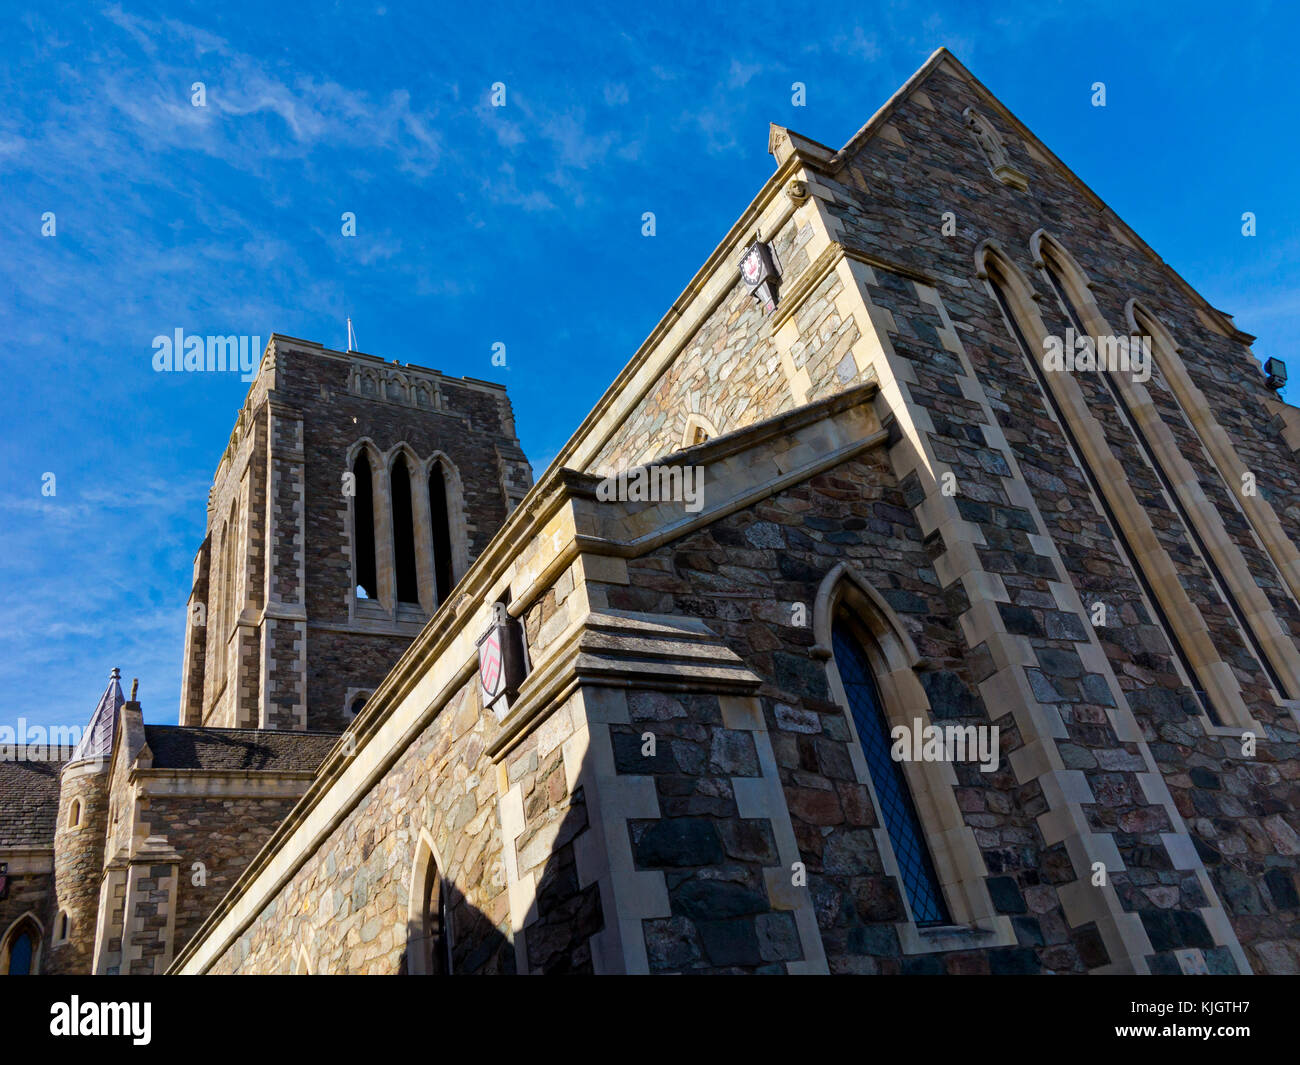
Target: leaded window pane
20 955
892 793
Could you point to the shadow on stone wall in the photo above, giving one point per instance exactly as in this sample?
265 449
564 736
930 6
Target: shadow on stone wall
562 919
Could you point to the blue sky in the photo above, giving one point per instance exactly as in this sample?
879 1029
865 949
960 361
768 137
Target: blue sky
478 225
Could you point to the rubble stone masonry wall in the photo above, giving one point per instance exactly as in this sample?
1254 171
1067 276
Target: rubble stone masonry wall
346 909
1239 810
220 834
976 409
744 576
78 863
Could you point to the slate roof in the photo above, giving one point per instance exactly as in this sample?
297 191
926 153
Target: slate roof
185 747
97 740
29 803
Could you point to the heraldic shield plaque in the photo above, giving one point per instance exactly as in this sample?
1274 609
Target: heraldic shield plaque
501 662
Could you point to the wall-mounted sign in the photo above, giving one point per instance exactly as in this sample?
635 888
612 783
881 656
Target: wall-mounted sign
502 662
490 672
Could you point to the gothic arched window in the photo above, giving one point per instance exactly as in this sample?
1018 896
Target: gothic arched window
20 954
435 914
408 581
440 518
1172 612
21 948
363 529
74 813
1229 574
893 796
1196 408
231 586
218 615
698 430
428 947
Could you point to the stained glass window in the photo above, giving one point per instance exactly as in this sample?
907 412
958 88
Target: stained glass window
20 955
915 866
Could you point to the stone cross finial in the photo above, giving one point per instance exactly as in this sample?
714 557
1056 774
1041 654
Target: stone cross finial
135 687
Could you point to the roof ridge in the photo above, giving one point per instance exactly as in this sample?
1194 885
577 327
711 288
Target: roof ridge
259 731
869 127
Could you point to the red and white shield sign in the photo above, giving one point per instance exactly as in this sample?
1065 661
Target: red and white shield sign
489 664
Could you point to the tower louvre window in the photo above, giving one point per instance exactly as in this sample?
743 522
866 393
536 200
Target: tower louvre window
408 583
221 593
363 530
441 532
228 605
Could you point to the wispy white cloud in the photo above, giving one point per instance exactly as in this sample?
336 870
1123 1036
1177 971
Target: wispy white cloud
858 43
226 218
741 74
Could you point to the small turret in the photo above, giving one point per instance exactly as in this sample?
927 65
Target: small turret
79 838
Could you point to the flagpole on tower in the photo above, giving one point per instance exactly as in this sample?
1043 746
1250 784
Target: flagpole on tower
352 336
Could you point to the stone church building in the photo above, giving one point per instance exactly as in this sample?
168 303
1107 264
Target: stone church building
851 632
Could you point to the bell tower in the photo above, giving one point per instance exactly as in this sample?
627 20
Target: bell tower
352 496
